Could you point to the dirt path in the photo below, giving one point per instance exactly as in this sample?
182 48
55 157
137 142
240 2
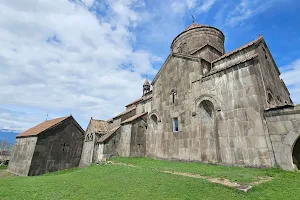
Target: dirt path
221 181
4 173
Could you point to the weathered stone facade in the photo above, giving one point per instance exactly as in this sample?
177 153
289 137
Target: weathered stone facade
209 106
50 146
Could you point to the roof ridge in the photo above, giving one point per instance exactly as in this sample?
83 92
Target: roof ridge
125 112
108 134
134 117
43 126
260 37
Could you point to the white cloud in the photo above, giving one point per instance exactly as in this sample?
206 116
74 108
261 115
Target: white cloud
59 56
247 9
206 5
196 6
8 120
88 3
291 75
179 7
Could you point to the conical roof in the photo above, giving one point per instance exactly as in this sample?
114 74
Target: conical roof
146 82
194 25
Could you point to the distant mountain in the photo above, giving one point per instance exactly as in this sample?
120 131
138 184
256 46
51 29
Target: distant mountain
8 135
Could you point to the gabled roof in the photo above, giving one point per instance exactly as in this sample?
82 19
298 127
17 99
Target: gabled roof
100 125
144 98
42 127
160 70
125 112
146 82
135 101
106 136
133 118
202 47
260 38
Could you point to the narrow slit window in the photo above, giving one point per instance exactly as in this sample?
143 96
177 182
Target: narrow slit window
175 124
173 97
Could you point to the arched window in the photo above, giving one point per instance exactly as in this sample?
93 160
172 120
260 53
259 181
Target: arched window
87 138
91 137
270 99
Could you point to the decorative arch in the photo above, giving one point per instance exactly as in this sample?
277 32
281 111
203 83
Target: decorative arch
270 98
154 120
210 98
156 113
286 156
206 108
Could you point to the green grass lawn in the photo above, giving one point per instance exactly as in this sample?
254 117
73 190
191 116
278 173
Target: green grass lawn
2 167
145 181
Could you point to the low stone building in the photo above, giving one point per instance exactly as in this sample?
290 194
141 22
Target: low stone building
50 146
210 106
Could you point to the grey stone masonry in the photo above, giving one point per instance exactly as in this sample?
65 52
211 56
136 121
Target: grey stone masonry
211 106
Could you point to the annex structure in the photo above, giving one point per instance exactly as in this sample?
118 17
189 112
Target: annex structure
50 146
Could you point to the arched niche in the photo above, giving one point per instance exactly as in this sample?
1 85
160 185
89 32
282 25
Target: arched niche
207 122
289 148
296 154
216 104
154 121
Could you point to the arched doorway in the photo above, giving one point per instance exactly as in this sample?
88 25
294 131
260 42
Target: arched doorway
208 128
296 154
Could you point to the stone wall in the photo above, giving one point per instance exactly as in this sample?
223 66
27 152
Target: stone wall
237 133
88 146
112 146
58 148
22 155
208 53
138 137
284 129
272 83
143 107
125 140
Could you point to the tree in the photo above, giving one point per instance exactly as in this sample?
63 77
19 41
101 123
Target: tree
5 146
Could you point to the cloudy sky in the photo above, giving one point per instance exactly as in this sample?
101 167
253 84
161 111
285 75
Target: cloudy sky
89 58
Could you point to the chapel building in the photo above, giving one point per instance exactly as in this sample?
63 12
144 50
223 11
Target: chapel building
206 105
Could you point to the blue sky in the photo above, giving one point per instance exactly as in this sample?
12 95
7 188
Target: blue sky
89 58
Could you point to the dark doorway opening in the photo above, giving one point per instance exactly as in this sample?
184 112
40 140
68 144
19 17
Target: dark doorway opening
296 153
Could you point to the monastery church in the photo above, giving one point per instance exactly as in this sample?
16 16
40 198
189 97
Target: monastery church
204 105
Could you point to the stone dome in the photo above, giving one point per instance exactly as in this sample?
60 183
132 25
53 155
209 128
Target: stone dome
196 36
194 25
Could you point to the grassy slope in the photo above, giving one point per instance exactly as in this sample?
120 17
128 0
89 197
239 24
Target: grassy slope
2 167
142 182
